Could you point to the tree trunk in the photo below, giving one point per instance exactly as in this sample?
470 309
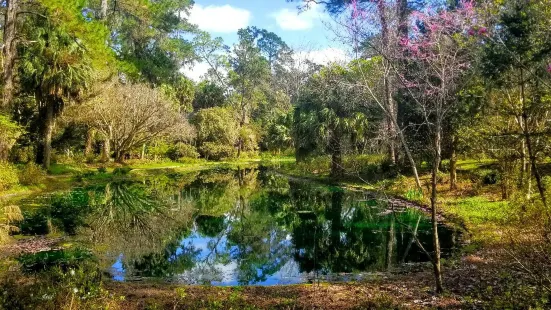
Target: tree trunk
529 148
409 156
89 148
103 10
524 167
337 169
434 203
412 240
47 134
142 157
453 164
390 243
9 51
239 147
106 150
533 162
119 157
388 87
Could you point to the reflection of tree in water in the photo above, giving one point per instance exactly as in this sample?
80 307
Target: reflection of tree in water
134 219
344 234
249 223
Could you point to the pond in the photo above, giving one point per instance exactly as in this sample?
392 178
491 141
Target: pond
234 227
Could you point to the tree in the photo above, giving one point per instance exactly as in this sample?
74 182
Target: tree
216 130
149 38
328 114
129 116
515 62
208 95
439 51
55 70
251 72
9 50
374 28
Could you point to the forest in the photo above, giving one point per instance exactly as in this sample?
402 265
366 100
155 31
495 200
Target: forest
414 173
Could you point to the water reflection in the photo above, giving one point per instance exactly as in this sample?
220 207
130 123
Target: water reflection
239 227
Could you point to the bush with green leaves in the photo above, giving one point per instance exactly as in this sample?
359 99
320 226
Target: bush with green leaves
216 151
9 132
31 174
22 154
122 170
62 279
182 150
8 176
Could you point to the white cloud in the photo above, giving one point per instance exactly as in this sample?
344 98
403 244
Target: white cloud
196 72
288 19
325 56
221 19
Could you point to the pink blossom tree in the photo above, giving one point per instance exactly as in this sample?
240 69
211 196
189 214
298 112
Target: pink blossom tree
439 50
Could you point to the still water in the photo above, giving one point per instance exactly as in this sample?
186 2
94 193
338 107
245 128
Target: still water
235 227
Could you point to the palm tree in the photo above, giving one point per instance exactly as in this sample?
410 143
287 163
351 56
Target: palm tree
328 115
55 68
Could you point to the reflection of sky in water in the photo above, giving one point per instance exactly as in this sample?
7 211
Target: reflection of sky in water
209 270
117 270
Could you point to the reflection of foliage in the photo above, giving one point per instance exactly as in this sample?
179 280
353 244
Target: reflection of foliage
210 226
66 211
247 221
174 259
134 218
347 236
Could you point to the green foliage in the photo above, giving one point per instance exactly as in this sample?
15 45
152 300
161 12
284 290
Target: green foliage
62 279
486 176
208 95
9 215
216 125
328 114
122 171
31 174
159 148
182 150
216 151
35 222
182 93
46 260
9 132
8 176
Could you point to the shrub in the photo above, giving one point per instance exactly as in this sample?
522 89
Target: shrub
158 149
22 154
490 178
122 171
182 150
102 169
487 176
31 174
217 151
8 176
65 259
35 223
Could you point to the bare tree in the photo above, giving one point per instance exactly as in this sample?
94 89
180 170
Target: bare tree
128 116
441 57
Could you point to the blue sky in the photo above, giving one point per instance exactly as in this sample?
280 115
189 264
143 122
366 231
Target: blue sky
306 31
